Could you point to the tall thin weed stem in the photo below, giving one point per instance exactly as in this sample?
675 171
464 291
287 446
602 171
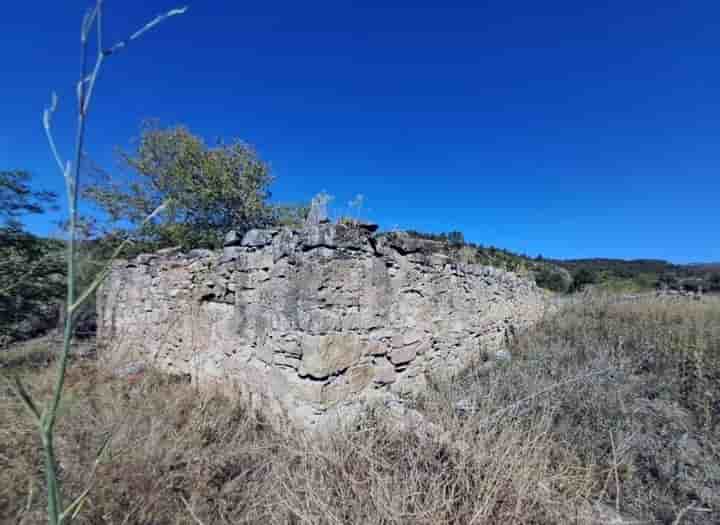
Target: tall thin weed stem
47 417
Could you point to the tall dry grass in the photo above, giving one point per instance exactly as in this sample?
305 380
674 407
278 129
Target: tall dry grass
605 410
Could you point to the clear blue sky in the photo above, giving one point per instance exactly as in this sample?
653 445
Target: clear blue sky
567 128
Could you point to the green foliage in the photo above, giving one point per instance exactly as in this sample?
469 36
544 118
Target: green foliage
552 279
32 285
454 244
692 285
582 278
456 238
290 215
619 268
618 275
714 281
207 191
31 269
18 199
668 280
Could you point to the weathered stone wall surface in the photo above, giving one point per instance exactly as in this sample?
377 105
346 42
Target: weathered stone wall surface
317 321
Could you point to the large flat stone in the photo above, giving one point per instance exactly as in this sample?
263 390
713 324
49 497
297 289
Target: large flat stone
325 355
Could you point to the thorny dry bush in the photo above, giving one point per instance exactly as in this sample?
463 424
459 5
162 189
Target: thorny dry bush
612 406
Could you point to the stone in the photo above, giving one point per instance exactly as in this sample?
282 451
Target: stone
283 245
258 238
405 244
348 384
165 252
367 226
130 369
407 338
199 253
145 258
232 238
402 356
230 253
503 355
316 235
384 373
286 360
377 348
327 355
317 322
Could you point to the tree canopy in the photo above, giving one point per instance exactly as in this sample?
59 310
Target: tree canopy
31 268
206 191
17 198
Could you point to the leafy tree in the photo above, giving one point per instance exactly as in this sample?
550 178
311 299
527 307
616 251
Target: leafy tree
32 273
291 215
31 268
554 280
714 281
668 280
691 285
582 278
206 190
18 199
456 238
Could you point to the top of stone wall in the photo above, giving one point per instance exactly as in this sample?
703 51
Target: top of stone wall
326 238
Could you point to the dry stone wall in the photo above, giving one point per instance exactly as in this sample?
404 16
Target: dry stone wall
316 322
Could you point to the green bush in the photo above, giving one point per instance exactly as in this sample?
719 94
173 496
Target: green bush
207 191
552 279
582 278
714 282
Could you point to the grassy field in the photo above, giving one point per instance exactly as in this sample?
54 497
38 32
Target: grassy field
605 412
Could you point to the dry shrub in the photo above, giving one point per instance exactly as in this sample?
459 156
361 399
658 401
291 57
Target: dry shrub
175 451
603 403
634 389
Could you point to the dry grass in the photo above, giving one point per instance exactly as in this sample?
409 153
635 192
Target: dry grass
641 436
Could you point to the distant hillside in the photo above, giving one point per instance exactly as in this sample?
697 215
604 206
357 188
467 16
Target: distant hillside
546 274
619 267
643 274
702 267
572 275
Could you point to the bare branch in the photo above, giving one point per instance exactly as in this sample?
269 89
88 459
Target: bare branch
690 508
88 20
71 175
615 471
92 77
47 124
190 510
17 386
158 19
74 508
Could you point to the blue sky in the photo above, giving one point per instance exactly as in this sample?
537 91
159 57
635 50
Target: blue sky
570 129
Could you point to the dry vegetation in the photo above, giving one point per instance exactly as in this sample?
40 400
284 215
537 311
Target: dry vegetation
603 407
